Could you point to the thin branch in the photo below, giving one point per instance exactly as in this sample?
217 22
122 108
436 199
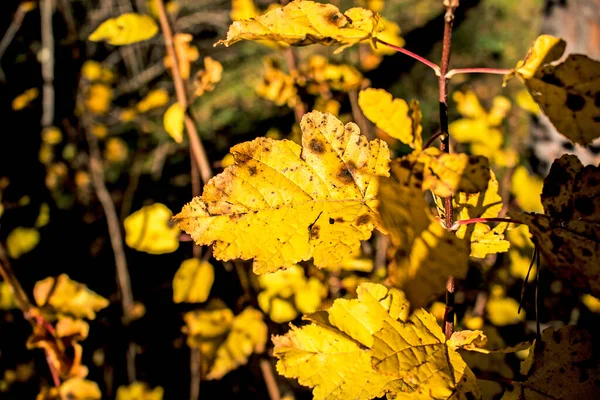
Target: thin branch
196 372
495 71
11 32
432 65
47 60
270 381
196 145
432 139
358 115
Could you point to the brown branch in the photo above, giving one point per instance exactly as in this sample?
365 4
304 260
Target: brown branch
11 32
195 372
195 144
270 381
358 115
292 66
47 60
445 147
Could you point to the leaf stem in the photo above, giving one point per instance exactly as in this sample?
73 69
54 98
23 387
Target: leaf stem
270 381
485 220
409 53
494 71
432 139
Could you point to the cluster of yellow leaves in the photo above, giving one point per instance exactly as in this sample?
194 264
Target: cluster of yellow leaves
186 54
321 75
482 129
150 230
94 71
285 293
73 388
367 347
225 341
207 78
281 203
193 281
568 234
22 100
567 92
301 23
125 29
277 86
139 391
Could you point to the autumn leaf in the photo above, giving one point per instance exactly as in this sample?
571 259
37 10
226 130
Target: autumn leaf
424 253
154 99
7 297
390 34
139 391
79 389
22 100
564 366
116 150
484 240
186 54
277 86
193 281
317 200
392 116
98 98
323 75
568 234
301 23
149 230
173 122
243 9
343 359
207 78
567 92
501 309
527 189
68 297
127 28
21 240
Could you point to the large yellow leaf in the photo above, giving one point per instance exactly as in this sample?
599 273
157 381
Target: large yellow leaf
193 281
139 391
424 252
281 203
568 92
565 366
173 122
484 240
127 28
568 234
21 240
420 362
342 353
301 23
392 116
149 230
68 297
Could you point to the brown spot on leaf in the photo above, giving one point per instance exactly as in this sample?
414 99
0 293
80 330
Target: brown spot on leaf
316 146
331 221
575 102
339 219
363 219
334 18
314 231
252 170
552 80
345 176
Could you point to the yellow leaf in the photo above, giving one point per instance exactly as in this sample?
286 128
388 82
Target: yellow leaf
207 324
301 23
7 297
173 122
128 114
98 99
484 240
127 28
527 103
281 311
139 391
566 92
51 135
100 131
94 71
149 230
80 389
155 99
563 366
323 75
185 53
227 160
467 104
22 100
330 106
568 234
277 86
353 264
391 35
424 252
527 190
500 107
591 302
248 335
21 240
207 78
317 200
43 217
390 115
243 9
69 297
116 150
309 297
519 265
193 281
502 310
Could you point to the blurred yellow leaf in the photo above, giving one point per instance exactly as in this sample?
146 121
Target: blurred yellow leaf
390 34
423 252
116 150
527 190
7 297
527 103
173 122
193 281
51 135
127 114
567 234
323 76
95 71
502 310
149 230
22 100
330 106
567 91
307 22
139 391
100 131
186 54
43 217
80 389
591 302
207 78
243 9
21 240
227 160
281 311
127 28
98 98
68 297
154 99
276 85
392 116
205 325
326 190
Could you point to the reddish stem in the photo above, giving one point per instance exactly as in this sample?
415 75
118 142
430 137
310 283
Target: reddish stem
495 71
432 139
409 53
486 220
